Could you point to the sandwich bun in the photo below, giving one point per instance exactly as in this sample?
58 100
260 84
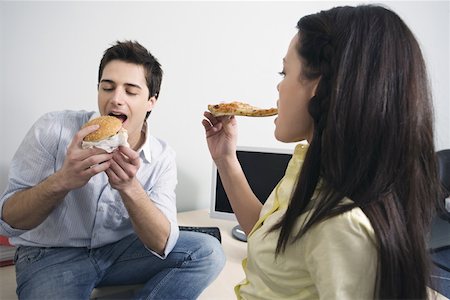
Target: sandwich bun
109 126
108 136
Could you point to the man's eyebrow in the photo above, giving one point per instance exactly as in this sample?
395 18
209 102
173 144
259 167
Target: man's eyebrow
106 81
133 85
127 84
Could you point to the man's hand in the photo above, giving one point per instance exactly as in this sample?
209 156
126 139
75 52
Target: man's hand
81 164
149 223
123 168
28 208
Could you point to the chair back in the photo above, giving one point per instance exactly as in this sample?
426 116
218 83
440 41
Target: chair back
443 158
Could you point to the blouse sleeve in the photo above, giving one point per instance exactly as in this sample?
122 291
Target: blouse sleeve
341 256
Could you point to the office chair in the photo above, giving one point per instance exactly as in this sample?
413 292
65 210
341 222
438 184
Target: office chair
444 174
440 232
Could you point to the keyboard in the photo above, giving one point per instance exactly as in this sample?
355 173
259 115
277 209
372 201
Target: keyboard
213 231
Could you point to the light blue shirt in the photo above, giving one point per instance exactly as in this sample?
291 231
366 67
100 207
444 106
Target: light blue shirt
93 215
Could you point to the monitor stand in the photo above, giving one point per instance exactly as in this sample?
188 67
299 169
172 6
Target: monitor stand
238 233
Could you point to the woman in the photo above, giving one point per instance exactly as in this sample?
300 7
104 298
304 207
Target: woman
349 219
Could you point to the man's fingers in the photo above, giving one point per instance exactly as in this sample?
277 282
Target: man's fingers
79 136
96 159
117 169
83 154
98 168
112 177
130 153
129 165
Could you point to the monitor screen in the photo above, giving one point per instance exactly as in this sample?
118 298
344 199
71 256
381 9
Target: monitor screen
263 168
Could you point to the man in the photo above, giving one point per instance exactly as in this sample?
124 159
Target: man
84 218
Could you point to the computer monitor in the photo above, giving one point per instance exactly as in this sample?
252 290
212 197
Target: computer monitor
263 168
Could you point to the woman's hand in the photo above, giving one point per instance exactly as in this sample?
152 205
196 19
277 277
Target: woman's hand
221 135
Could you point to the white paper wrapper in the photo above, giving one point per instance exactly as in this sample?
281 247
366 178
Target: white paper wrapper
110 144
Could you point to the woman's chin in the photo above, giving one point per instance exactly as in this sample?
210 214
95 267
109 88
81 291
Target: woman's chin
286 139
279 137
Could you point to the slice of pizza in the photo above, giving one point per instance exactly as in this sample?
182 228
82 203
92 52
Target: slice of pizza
240 109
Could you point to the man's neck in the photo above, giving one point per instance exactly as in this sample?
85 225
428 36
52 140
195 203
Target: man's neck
140 142
137 142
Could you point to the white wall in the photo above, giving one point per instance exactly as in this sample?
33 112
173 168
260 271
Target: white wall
210 52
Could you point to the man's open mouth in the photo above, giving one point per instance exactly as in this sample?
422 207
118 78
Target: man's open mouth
121 117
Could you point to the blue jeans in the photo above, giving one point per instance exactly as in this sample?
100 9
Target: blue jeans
72 273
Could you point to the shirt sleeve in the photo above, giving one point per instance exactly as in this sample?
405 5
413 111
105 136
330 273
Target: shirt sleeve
33 162
341 256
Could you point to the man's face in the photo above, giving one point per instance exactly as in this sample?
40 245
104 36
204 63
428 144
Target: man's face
123 92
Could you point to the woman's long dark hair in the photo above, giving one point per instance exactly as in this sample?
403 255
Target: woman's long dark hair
373 139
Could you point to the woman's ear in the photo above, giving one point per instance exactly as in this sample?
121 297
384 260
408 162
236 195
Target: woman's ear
315 83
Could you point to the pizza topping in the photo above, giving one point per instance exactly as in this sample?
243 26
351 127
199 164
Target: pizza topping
240 109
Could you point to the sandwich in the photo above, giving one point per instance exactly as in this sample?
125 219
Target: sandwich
109 136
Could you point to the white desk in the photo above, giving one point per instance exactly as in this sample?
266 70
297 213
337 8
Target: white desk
8 283
235 251
221 289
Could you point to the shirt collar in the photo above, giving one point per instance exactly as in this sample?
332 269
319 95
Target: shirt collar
145 148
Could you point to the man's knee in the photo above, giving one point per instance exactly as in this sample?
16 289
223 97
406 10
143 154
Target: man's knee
204 248
217 256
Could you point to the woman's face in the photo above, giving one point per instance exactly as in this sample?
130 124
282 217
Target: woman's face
294 123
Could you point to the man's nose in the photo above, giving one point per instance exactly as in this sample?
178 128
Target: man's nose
118 96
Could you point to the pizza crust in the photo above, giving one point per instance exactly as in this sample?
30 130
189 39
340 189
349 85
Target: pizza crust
240 109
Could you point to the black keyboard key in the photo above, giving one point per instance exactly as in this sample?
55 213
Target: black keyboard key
214 231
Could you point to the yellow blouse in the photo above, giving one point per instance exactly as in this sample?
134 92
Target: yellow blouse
336 259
